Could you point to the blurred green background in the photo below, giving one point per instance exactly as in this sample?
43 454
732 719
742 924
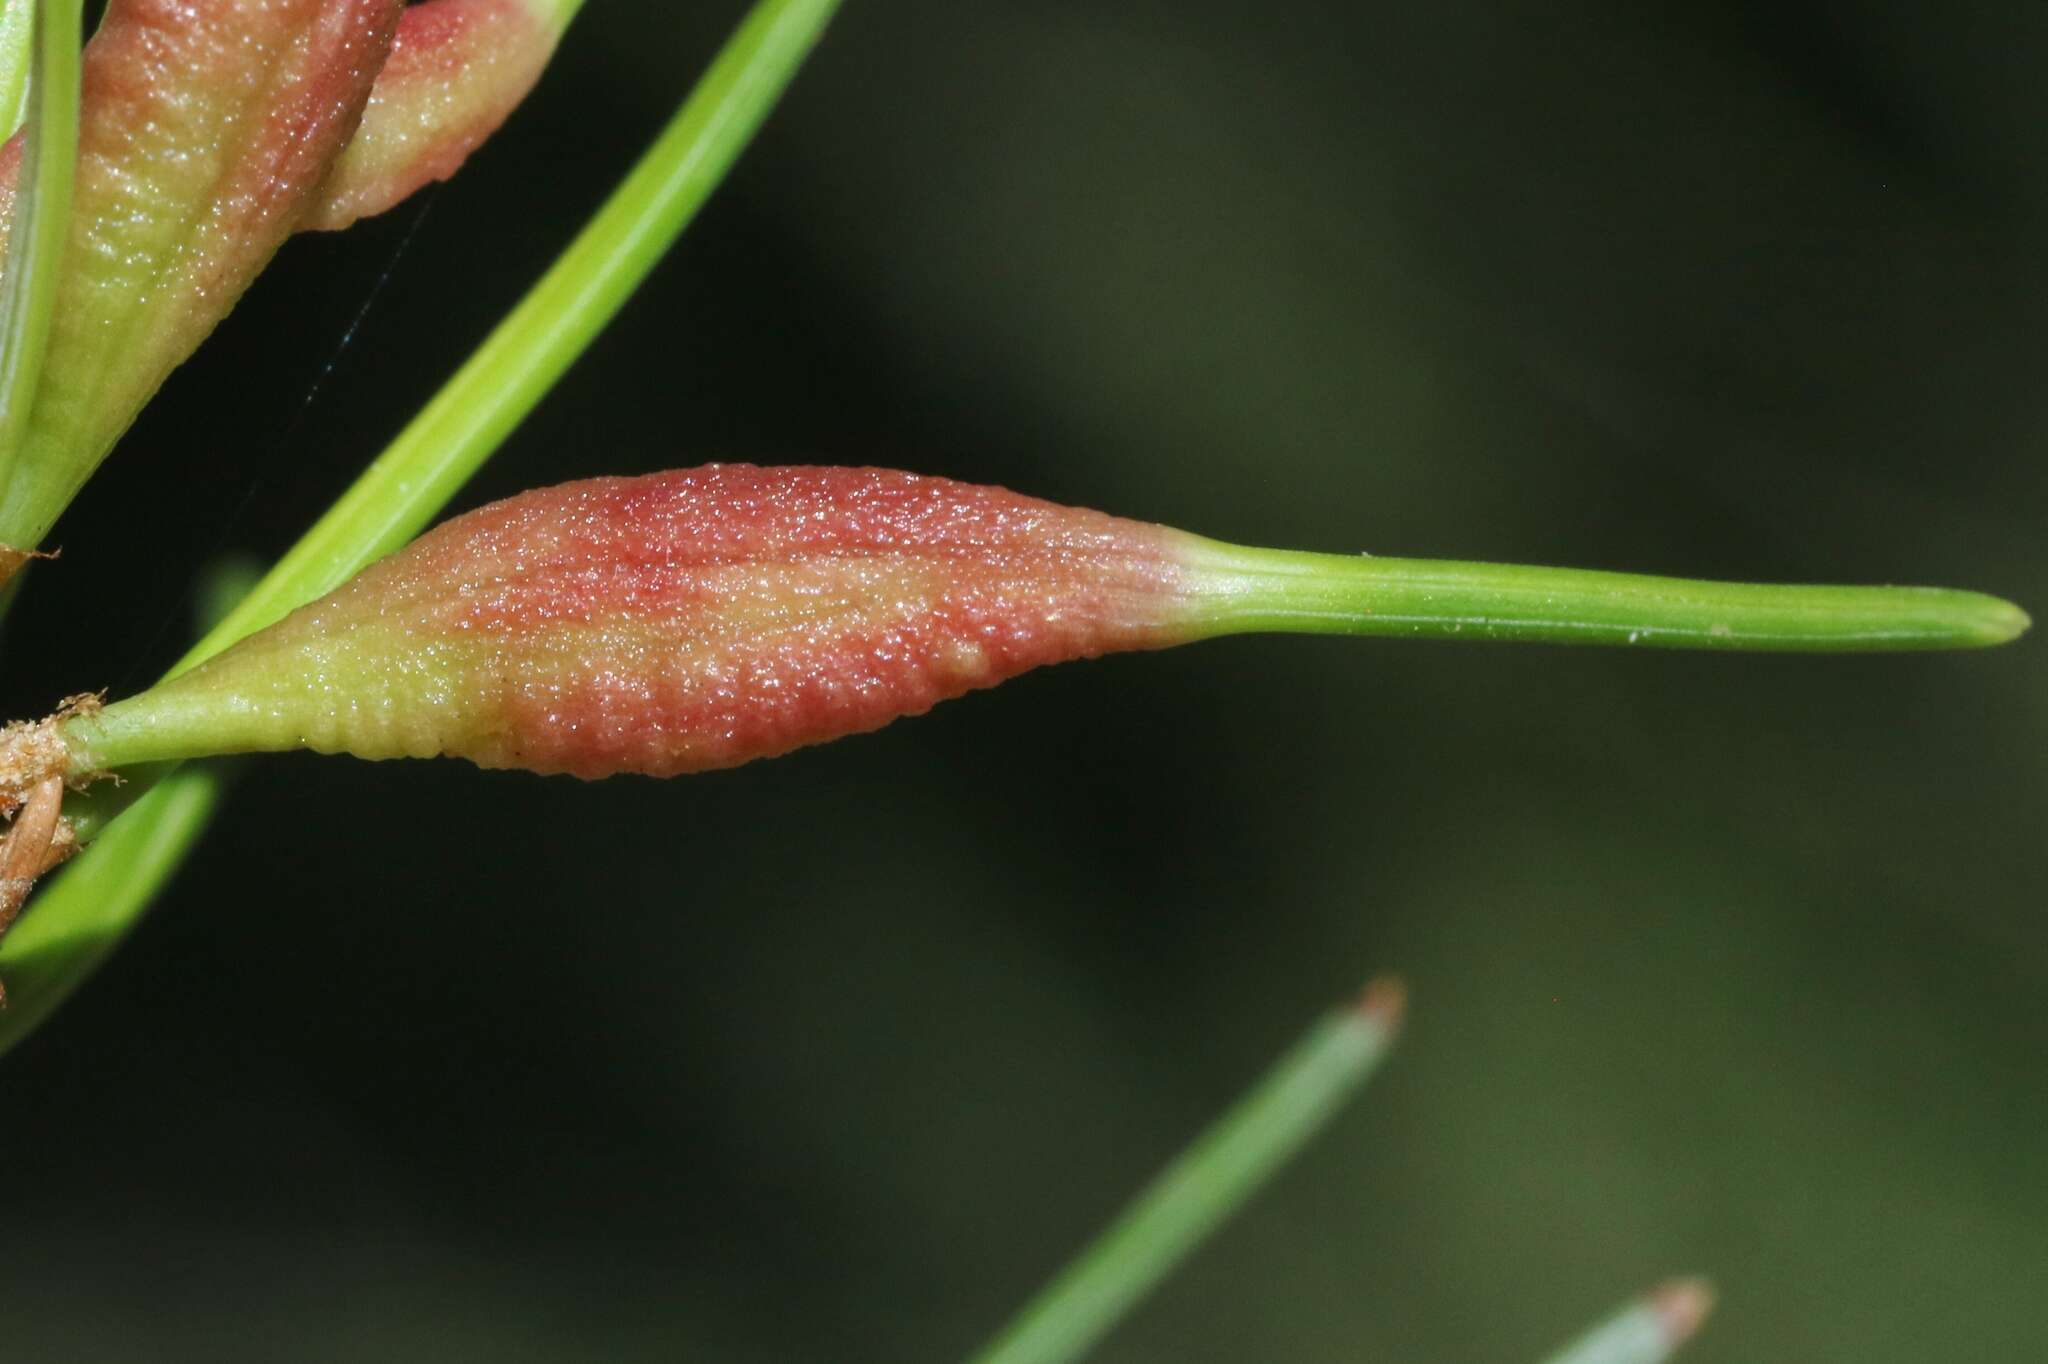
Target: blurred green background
1722 965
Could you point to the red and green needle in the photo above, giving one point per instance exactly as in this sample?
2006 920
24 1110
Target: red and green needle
704 618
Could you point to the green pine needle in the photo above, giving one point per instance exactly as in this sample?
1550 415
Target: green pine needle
91 905
1296 593
1193 1196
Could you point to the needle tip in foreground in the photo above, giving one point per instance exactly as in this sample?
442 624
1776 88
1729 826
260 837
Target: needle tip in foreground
1682 1305
2002 622
1384 1001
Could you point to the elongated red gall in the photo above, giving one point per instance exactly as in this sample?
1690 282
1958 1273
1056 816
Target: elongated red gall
679 622
703 618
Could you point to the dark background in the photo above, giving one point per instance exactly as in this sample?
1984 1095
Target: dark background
1728 965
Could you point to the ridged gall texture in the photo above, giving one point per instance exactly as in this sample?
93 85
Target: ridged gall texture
206 128
457 70
679 622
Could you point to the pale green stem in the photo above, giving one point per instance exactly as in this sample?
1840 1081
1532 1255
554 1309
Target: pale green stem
1228 1163
42 217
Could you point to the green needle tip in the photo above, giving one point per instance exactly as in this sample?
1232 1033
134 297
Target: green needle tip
1239 590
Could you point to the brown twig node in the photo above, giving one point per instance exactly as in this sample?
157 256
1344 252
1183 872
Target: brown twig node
13 560
34 774
38 840
31 751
